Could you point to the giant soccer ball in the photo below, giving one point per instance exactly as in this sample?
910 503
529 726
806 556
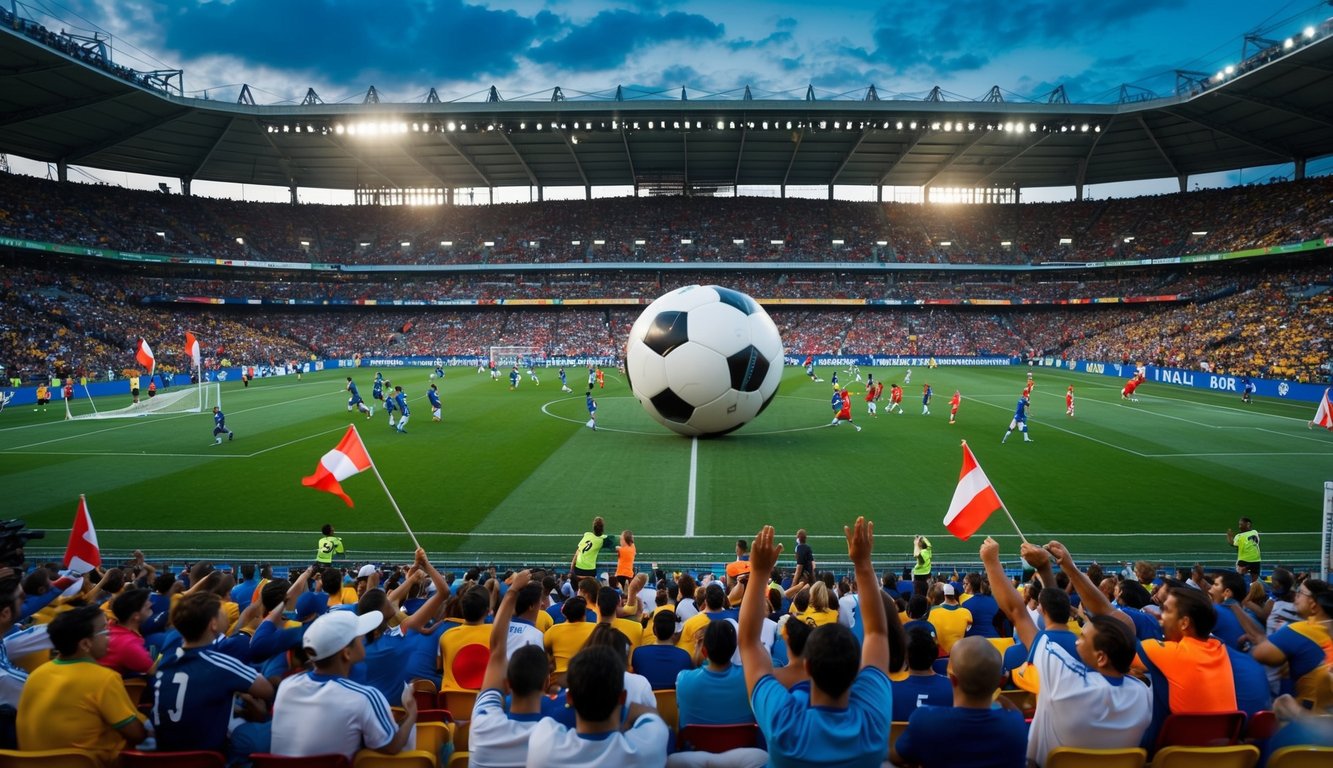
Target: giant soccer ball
704 360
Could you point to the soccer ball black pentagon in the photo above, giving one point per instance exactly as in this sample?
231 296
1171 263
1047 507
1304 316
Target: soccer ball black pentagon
704 360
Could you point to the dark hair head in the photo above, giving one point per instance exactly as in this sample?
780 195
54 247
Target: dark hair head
1055 603
128 603
1115 640
9 597
685 586
1234 583
327 530
664 624
1134 594
742 545
598 524
373 601
274 593
917 607
798 633
596 681
714 597
164 581
528 598
1325 602
609 636
71 627
247 571
1282 580
607 602
476 602
833 657
113 581
331 581
588 588
720 641
191 614
1197 606
37 582
574 609
922 650
528 669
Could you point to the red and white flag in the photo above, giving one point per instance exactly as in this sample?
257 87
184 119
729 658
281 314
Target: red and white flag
144 354
348 459
973 500
1324 416
192 348
82 553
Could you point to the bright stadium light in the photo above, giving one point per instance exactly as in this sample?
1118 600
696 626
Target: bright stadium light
899 125
881 242
1288 44
405 244
1309 33
446 243
686 241
1128 239
1005 243
1200 233
640 242
160 234
775 242
1066 241
599 242
1229 69
738 241
946 243
488 243
240 241
576 242
838 242
721 125
452 126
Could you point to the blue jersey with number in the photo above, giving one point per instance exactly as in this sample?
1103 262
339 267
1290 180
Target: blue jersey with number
377 389
562 375
192 698
1021 410
434 397
592 405
219 420
401 399
356 396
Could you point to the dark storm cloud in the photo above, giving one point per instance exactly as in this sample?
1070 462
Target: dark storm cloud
607 39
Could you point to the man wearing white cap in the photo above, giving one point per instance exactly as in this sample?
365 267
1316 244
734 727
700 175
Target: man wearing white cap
323 712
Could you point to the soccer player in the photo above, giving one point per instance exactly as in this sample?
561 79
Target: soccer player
389 407
834 380
592 377
896 398
592 411
870 400
1069 401
433 395
1019 421
44 395
564 382
1246 389
926 393
1027 390
953 405
907 378
601 379
513 378
400 400
495 372
69 389
810 367
533 375
439 370
220 427
1128 392
377 386
328 546
355 400
842 404
1247 548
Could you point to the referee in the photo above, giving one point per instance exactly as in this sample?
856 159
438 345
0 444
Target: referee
1247 548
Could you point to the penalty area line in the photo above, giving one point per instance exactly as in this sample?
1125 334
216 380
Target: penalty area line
693 488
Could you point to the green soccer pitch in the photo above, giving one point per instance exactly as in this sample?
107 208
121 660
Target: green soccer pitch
515 477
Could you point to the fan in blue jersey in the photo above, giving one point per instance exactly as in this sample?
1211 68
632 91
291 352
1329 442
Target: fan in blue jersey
592 412
1020 421
400 400
377 387
389 407
220 427
564 383
433 395
355 400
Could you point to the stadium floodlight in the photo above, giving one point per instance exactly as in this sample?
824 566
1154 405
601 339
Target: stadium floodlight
789 125
573 139
405 244
881 242
721 125
575 242
339 129
1008 127
640 242
305 243
947 126
1066 241
958 126
1084 128
676 125
532 243
686 241
539 126
1005 243
971 126
488 243
446 243
160 234
1019 127
1230 69
775 242
451 125
946 243
1200 233
934 126
1129 239
1288 44
1032 127
1309 33
913 125
838 242
240 241
738 241
365 245
599 242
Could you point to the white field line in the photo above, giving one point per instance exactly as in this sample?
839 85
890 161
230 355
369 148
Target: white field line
693 487
1062 429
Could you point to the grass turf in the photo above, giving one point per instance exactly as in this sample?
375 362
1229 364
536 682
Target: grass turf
515 477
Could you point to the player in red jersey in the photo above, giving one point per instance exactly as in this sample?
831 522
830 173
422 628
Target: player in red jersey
843 400
1027 390
870 401
1069 401
953 405
1128 392
896 398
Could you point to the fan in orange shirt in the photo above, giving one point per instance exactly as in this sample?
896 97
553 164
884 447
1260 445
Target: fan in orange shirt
625 558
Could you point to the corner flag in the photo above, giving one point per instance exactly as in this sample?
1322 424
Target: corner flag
1324 416
192 348
144 354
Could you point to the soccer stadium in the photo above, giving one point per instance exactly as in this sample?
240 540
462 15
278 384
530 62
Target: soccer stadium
555 362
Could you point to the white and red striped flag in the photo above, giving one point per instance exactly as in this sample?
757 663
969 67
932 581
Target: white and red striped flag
348 459
973 500
144 354
192 348
82 553
1324 416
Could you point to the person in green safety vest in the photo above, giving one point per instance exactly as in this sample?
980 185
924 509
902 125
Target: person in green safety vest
1247 548
585 556
329 545
921 567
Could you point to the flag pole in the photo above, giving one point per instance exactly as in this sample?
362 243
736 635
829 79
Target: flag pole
376 470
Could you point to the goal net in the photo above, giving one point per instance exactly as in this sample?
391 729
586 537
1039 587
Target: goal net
514 355
194 398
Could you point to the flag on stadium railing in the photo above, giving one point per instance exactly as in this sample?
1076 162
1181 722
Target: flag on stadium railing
1324 416
973 500
144 354
82 553
348 459
192 348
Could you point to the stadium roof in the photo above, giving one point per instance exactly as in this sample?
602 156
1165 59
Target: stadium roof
54 107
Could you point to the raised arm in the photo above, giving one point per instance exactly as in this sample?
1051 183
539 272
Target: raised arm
498 663
1092 599
1040 560
875 645
754 606
423 614
1005 595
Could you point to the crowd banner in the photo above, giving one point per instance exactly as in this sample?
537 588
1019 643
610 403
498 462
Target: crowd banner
1182 377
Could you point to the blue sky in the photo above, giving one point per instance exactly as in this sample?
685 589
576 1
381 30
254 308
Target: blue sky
526 47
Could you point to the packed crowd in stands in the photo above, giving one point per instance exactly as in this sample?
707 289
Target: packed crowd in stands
600 661
670 229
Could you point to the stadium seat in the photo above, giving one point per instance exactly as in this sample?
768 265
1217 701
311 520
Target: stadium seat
132 758
1301 757
718 738
434 716
416 758
666 707
1237 756
425 693
1073 757
1201 729
431 737
135 687
1261 726
313 761
459 760
896 729
458 703
48 758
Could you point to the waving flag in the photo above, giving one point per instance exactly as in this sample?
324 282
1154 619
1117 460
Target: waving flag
82 553
973 500
192 348
348 459
1324 416
144 354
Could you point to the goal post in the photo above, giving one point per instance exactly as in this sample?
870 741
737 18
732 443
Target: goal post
513 355
195 398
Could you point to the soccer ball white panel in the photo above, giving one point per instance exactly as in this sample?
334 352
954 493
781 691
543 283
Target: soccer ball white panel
720 327
697 373
646 369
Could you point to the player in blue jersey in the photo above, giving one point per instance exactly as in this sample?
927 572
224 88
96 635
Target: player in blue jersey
532 374
377 386
926 394
433 395
1246 390
390 406
1020 421
592 411
355 400
400 400
834 380
439 370
220 427
514 378
564 383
